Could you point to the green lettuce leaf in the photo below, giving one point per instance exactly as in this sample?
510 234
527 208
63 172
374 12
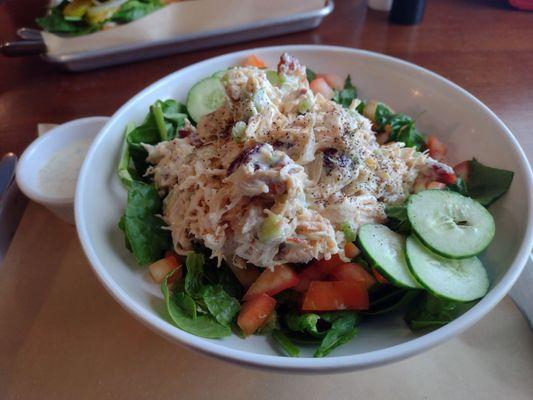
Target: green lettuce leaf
143 229
194 265
179 309
135 9
220 304
347 94
487 184
428 312
343 329
285 343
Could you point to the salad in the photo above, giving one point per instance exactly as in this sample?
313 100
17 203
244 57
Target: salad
277 202
80 17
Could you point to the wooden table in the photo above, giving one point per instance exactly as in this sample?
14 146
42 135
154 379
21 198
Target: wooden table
483 45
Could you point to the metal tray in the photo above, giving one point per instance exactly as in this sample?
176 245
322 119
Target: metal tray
198 40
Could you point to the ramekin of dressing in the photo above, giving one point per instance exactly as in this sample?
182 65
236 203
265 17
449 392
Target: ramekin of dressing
48 169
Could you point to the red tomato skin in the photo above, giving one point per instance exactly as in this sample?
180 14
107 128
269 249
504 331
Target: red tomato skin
319 85
336 295
255 312
253 61
273 281
353 272
316 271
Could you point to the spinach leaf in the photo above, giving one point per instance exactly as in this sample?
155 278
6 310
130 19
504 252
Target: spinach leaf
162 122
398 122
122 227
343 329
387 298
382 116
143 229
310 74
303 323
427 312
124 169
398 220
135 9
459 186
409 135
186 303
178 308
194 265
220 304
487 184
285 343
347 94
55 22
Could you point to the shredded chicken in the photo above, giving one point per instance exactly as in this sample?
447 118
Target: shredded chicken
275 174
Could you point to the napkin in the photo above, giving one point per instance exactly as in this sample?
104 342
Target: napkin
181 19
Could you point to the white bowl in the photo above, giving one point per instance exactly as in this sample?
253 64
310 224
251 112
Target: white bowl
467 126
41 150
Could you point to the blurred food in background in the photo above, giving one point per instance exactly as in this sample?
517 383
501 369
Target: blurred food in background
80 17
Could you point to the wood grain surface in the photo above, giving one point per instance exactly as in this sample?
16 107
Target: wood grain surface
484 46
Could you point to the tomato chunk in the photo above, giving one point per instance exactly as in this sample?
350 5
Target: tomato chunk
437 149
253 61
255 312
319 85
462 170
316 271
331 296
273 281
161 268
436 185
353 272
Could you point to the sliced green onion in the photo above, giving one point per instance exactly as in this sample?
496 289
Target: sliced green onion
238 132
304 106
270 228
159 120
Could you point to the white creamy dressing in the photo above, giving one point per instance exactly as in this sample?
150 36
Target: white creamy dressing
59 175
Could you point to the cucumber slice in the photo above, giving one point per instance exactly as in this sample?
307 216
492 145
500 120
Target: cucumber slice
451 225
459 280
205 97
219 74
386 249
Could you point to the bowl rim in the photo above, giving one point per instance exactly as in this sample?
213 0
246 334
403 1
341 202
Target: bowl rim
310 365
55 134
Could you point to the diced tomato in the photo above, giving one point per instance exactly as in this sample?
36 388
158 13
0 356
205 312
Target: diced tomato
253 61
161 268
273 281
255 312
245 276
319 85
436 185
462 169
448 178
351 250
331 296
437 149
317 270
334 81
353 272
380 278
